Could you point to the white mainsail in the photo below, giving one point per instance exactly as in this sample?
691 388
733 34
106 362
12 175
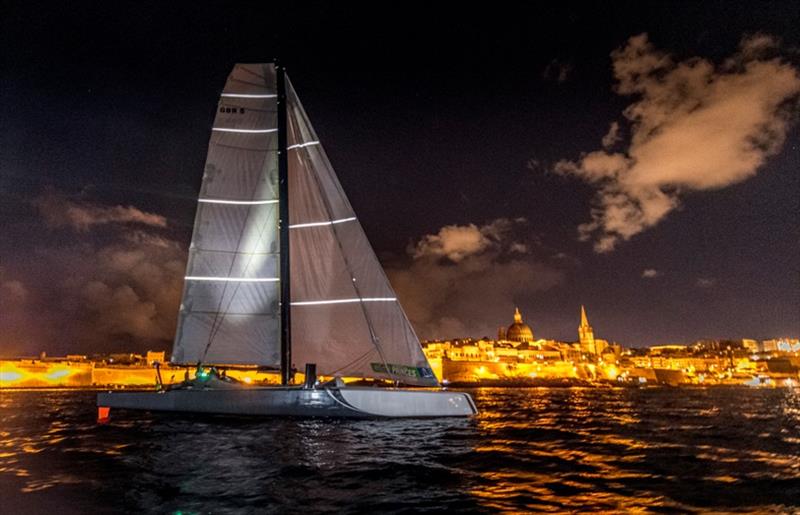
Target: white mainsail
345 314
230 307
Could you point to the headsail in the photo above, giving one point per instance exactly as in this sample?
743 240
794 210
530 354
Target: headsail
230 306
345 314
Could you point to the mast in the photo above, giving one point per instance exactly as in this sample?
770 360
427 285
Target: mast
283 197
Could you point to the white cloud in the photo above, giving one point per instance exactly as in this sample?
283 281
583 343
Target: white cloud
705 282
612 136
457 242
650 273
464 279
694 126
519 248
61 211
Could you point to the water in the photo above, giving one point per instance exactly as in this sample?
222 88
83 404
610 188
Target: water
659 450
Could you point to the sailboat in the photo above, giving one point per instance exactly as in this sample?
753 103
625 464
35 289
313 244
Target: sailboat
280 272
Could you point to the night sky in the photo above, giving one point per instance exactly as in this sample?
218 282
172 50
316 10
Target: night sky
468 139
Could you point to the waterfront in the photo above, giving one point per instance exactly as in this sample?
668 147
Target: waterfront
560 449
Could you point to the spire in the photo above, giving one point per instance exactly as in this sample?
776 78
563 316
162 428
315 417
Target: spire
584 320
517 316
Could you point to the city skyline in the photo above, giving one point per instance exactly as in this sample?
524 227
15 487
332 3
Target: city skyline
585 333
646 169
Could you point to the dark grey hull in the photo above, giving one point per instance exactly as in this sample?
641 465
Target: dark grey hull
297 402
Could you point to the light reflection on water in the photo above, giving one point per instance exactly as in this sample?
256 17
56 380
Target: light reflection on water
672 450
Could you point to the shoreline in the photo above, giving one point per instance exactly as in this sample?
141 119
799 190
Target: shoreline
450 386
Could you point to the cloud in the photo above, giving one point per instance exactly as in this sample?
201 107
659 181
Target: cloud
86 293
57 210
650 273
456 242
464 279
612 136
557 71
519 248
13 292
705 282
693 126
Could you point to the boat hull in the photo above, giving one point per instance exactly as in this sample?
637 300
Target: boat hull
298 402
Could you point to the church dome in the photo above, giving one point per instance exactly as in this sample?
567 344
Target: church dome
519 331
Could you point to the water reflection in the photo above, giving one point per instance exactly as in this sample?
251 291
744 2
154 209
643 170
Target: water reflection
528 450
677 450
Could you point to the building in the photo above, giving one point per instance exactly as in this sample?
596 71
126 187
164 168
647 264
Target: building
586 340
519 331
586 334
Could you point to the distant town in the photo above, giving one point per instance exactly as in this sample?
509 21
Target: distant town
517 358
514 358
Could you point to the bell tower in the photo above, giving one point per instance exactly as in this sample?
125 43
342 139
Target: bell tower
586 334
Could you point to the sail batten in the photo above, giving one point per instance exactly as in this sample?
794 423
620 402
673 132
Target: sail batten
342 301
243 131
244 95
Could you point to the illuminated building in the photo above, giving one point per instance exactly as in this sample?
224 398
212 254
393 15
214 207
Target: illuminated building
518 331
586 334
751 345
588 343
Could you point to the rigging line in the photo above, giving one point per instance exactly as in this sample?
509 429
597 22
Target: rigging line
358 359
216 323
236 147
211 332
263 165
240 81
251 72
236 289
370 326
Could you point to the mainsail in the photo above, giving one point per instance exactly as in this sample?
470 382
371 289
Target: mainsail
345 315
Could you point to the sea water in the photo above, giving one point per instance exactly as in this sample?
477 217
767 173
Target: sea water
553 450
